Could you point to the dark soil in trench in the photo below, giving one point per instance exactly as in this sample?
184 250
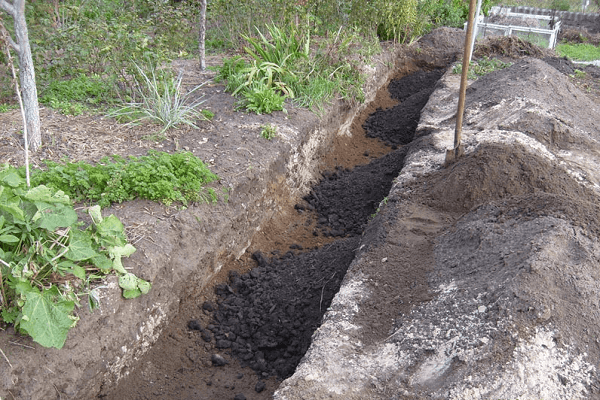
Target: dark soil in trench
253 329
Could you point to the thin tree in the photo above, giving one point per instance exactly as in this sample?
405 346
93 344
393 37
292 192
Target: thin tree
16 9
202 35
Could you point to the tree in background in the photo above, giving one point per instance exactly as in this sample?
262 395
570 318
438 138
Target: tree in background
16 9
202 35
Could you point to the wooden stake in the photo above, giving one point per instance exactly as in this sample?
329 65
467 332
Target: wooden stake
454 153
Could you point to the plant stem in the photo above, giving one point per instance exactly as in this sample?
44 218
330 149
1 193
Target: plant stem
6 358
3 299
18 90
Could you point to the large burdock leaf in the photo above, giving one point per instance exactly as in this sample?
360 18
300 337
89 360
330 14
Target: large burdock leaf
11 177
46 195
45 321
80 247
112 232
52 216
120 251
10 203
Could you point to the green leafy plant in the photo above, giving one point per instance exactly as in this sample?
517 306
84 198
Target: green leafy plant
161 101
159 176
284 47
268 131
230 72
261 99
397 19
209 115
268 73
6 107
47 261
82 90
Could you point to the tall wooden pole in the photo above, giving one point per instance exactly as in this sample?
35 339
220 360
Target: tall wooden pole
453 154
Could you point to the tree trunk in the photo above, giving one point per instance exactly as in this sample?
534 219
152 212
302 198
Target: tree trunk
26 72
27 78
202 35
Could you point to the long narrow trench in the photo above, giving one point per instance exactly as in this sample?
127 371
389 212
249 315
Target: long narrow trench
242 336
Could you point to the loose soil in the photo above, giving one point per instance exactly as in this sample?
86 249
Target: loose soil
246 334
239 337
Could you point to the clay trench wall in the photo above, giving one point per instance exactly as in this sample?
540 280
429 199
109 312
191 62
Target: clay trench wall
106 343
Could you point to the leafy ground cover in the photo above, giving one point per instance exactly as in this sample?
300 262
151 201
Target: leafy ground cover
49 260
481 67
159 176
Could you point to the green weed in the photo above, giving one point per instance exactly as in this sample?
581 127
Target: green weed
159 176
48 261
261 99
268 131
208 115
481 67
7 107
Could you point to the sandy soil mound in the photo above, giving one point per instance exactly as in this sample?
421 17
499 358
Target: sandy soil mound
482 275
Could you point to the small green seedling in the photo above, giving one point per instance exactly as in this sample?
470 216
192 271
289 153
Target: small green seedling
268 131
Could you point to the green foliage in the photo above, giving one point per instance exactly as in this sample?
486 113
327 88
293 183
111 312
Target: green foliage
560 5
398 18
101 40
453 13
284 67
48 261
90 90
74 96
481 67
7 107
260 98
579 51
207 114
283 48
161 101
159 176
268 131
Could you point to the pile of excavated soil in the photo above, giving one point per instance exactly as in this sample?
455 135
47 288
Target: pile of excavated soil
478 279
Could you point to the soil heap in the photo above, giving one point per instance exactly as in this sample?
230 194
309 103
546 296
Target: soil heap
478 279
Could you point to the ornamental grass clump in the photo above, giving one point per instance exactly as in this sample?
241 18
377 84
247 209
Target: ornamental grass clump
161 101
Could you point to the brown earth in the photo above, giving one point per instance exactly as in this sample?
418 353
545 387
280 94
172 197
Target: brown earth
179 365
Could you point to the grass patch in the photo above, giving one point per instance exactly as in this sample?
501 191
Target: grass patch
579 51
75 96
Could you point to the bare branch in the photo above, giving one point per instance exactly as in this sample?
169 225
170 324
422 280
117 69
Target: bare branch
5 36
9 8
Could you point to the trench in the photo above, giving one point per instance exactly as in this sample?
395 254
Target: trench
245 334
